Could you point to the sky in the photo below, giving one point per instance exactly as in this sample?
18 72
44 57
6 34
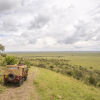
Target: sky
50 25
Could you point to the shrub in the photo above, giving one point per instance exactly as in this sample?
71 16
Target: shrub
98 84
9 60
78 74
41 65
69 72
3 55
92 80
26 62
51 67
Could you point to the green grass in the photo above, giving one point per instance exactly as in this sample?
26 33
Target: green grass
85 59
2 87
54 86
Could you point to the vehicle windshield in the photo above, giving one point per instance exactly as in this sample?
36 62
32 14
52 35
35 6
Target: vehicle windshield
12 67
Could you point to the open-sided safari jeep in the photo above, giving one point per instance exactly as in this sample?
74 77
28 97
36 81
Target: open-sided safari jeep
15 74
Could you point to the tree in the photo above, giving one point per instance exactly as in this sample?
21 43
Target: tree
2 48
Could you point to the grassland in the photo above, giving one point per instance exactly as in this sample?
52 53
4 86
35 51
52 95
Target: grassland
86 59
84 66
74 75
55 86
2 87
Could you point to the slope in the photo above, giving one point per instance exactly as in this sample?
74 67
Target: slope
55 86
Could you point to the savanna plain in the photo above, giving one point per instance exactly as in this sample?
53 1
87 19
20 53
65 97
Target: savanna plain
57 76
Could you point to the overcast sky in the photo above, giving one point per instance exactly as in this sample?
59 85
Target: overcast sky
50 25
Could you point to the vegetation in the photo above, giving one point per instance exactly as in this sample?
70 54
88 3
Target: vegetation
9 60
2 48
55 86
72 70
61 65
85 59
2 87
26 62
82 66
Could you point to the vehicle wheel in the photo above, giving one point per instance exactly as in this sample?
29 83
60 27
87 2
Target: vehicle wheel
20 82
25 78
5 82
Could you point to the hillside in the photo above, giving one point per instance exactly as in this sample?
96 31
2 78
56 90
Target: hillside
55 86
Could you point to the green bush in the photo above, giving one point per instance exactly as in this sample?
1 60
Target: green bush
77 74
98 84
26 62
3 55
51 67
69 72
41 65
9 60
92 80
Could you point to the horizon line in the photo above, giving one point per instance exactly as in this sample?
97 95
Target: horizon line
45 51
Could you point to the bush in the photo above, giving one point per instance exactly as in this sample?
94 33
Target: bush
3 55
26 63
98 84
41 65
92 80
9 60
51 67
77 74
69 72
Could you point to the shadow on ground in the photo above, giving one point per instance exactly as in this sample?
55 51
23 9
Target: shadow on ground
11 85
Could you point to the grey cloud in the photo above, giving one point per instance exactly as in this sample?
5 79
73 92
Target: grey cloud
39 22
8 24
9 28
83 32
6 5
31 37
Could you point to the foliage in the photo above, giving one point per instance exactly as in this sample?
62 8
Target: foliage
2 87
2 48
9 60
61 65
83 66
3 55
26 62
92 80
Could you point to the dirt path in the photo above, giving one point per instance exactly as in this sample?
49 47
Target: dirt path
24 92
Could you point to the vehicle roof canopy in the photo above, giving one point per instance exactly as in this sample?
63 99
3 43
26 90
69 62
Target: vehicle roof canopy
20 66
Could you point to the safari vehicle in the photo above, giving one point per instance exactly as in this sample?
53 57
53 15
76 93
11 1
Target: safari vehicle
15 74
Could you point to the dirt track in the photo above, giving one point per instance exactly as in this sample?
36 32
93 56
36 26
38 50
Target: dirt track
24 92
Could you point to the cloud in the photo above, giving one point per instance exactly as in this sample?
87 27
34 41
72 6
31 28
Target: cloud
8 24
39 22
6 5
49 25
